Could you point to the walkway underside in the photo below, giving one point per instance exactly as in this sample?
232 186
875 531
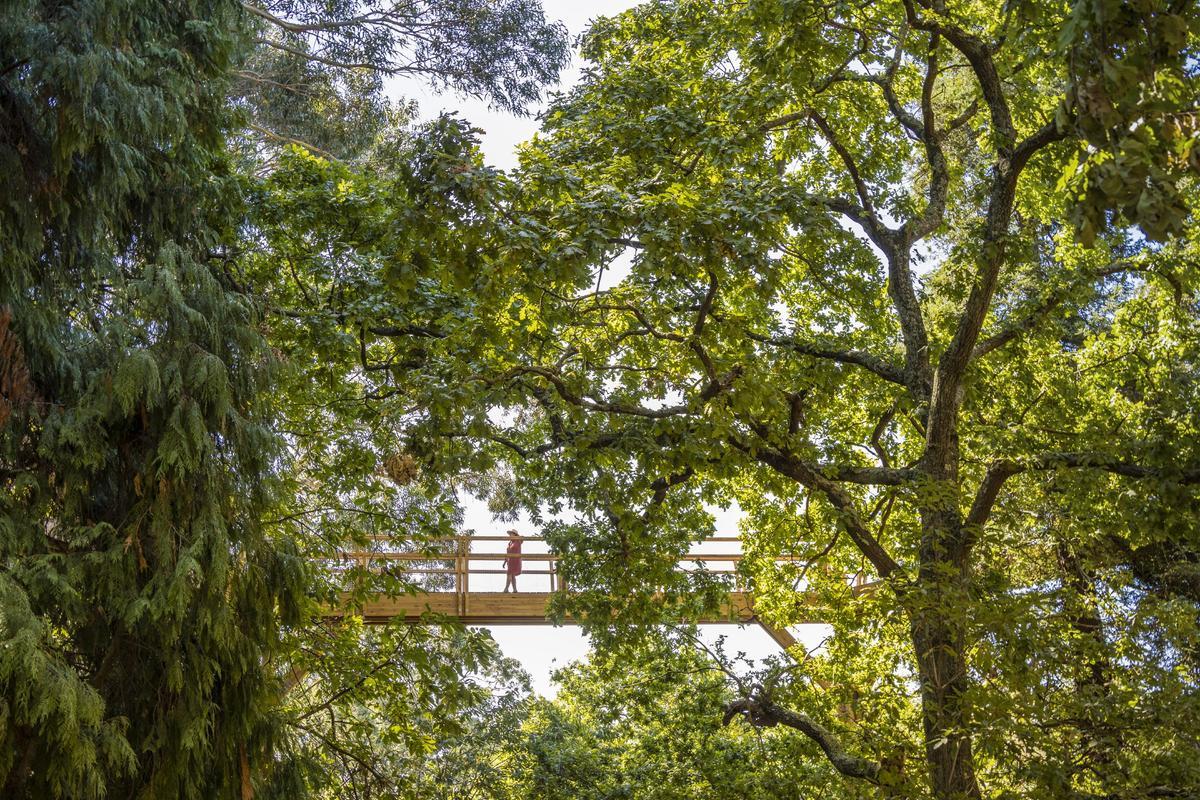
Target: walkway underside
519 608
504 608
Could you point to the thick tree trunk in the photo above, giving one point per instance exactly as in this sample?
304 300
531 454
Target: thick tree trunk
938 628
943 673
14 787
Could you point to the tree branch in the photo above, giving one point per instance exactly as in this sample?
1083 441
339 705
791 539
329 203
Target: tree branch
566 393
779 122
762 713
1187 476
867 476
989 490
860 185
662 486
979 56
330 62
882 368
418 331
999 472
810 475
279 137
706 305
1040 310
939 180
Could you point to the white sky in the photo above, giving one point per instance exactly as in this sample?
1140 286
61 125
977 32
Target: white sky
542 649
503 131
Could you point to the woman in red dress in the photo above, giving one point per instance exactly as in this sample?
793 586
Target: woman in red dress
513 563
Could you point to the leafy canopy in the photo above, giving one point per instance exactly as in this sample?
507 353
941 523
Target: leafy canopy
819 260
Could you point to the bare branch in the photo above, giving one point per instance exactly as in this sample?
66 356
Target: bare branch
640 316
706 305
880 235
786 119
300 27
877 435
330 62
939 180
1187 476
662 486
566 393
860 185
810 475
979 56
910 122
762 713
1043 136
279 137
867 476
989 490
417 331
962 119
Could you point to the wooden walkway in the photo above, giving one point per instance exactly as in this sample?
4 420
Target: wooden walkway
463 576
500 608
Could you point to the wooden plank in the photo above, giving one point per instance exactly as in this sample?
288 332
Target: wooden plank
782 636
392 555
387 537
408 607
501 608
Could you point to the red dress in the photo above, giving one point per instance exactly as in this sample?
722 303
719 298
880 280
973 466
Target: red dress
513 562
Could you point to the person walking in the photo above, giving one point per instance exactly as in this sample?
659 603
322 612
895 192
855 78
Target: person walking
512 564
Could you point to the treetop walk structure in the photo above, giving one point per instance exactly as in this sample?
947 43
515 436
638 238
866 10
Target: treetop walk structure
460 578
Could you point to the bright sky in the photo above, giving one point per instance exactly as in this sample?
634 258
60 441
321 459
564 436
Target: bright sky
542 649
503 131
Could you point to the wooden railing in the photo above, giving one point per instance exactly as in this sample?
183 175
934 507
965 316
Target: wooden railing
461 560
468 597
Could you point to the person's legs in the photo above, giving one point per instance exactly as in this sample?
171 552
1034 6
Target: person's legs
511 580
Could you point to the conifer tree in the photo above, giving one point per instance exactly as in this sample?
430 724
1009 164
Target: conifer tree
140 601
149 602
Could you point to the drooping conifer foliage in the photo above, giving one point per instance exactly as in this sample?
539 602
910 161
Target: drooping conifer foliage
315 76
141 598
142 594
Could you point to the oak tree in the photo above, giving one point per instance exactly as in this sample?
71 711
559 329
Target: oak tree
904 280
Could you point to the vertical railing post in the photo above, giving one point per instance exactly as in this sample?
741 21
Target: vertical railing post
466 575
460 576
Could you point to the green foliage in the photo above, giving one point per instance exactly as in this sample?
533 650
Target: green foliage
1134 83
813 260
645 722
360 269
142 597
392 712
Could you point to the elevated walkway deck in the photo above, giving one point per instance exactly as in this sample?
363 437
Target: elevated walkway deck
508 608
462 578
